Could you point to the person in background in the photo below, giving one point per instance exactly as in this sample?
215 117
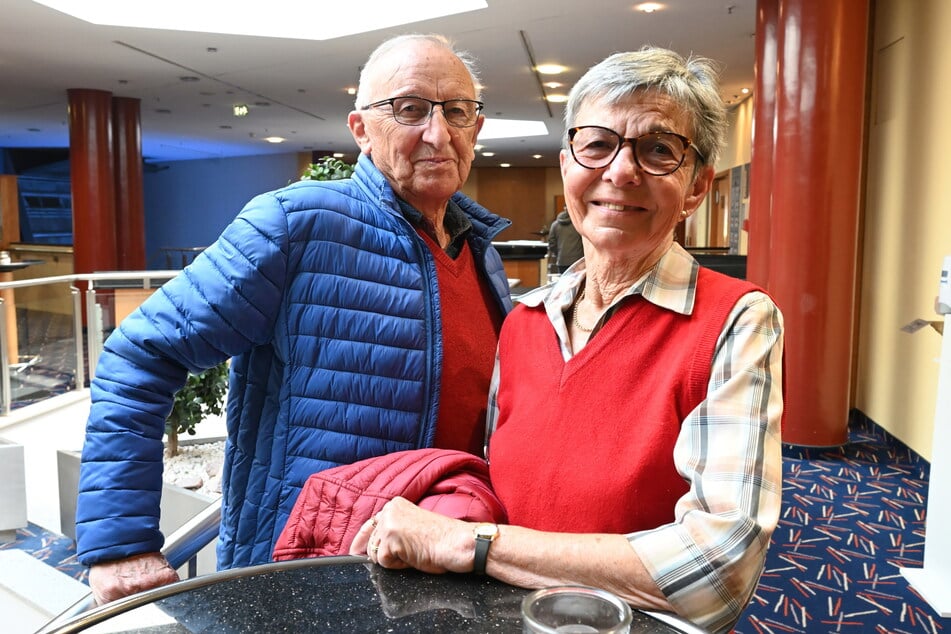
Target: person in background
564 244
362 316
635 413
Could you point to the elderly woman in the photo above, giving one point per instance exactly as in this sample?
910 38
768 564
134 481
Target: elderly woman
636 405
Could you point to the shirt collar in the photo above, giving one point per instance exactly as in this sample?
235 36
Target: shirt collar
671 284
456 223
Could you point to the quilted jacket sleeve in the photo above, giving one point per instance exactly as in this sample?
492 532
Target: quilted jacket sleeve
222 304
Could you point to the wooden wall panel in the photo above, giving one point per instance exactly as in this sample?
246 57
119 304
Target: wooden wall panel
516 193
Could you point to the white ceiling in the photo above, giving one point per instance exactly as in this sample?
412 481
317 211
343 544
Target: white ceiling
297 89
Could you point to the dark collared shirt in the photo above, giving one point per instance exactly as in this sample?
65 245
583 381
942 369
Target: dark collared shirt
455 222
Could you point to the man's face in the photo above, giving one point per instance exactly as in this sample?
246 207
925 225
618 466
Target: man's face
425 164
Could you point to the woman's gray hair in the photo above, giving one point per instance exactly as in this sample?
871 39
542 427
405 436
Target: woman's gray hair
387 46
692 82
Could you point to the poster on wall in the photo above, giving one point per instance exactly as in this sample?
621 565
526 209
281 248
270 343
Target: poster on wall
735 218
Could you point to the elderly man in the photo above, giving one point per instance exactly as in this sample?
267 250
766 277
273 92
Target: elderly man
362 317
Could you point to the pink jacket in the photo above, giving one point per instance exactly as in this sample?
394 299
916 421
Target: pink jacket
334 503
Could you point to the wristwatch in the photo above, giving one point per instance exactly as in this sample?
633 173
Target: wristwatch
485 534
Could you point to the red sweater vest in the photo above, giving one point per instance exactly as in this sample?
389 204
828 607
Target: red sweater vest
587 446
471 319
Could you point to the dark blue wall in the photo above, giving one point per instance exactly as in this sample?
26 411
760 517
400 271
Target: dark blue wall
189 203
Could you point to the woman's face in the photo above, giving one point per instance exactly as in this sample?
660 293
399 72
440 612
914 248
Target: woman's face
621 211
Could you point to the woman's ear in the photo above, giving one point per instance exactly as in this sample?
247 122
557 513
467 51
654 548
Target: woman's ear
698 189
358 129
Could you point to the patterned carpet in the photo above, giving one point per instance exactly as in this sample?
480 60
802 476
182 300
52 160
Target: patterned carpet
851 517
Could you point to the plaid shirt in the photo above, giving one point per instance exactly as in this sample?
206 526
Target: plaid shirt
708 561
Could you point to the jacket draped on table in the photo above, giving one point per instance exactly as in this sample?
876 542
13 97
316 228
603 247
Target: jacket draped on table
327 300
335 503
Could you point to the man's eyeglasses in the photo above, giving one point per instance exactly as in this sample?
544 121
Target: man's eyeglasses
459 113
656 153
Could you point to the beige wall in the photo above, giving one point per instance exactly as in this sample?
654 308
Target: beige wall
907 223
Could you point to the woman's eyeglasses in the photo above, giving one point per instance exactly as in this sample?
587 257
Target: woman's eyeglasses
656 153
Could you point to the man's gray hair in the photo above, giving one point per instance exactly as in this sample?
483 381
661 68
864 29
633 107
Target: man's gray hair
692 82
387 46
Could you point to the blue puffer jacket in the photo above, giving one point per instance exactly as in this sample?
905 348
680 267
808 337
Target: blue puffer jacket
327 299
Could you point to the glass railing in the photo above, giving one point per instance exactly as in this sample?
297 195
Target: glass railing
52 329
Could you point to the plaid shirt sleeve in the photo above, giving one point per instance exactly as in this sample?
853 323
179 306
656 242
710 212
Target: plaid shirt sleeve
708 562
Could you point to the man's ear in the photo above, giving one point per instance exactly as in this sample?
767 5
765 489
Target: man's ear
358 129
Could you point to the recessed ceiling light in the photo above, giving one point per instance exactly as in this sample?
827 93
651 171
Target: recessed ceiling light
312 20
488 154
536 156
240 110
649 7
557 98
553 84
351 90
338 154
550 69
274 139
505 165
745 91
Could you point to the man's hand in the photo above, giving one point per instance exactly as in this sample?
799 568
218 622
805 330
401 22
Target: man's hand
113 580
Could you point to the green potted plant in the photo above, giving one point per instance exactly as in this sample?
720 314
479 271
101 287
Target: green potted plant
202 395
327 168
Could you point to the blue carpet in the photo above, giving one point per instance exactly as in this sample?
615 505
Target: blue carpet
58 551
851 517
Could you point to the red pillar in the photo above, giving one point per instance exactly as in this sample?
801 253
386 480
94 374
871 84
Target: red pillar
764 118
91 176
129 205
813 216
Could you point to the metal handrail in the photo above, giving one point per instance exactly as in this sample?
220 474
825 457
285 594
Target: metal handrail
181 547
91 282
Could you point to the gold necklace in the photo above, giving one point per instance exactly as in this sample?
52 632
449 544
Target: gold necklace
574 313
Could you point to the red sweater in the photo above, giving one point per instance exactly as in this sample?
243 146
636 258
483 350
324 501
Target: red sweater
587 446
471 320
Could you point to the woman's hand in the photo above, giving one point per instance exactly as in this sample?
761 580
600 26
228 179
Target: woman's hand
402 535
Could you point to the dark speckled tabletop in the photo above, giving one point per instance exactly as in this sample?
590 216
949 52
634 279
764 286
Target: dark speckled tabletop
332 594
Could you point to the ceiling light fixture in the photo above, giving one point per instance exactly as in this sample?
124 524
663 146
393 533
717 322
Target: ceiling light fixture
274 139
312 20
557 98
239 110
551 69
649 7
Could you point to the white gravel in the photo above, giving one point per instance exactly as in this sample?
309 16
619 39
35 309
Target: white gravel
197 467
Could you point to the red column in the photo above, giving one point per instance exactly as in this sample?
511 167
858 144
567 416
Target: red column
93 192
761 168
813 219
130 206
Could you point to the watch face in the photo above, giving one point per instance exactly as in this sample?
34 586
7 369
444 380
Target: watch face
487 531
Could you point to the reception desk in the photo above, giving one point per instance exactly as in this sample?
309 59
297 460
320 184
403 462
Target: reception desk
524 260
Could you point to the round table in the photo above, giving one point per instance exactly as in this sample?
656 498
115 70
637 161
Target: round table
328 594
